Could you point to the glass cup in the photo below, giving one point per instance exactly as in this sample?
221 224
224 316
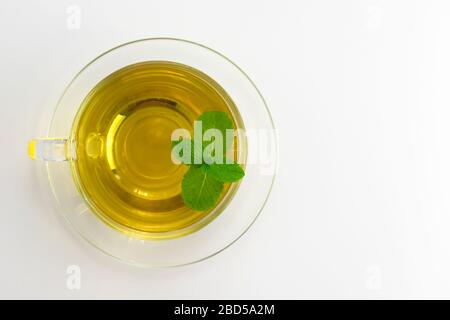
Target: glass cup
232 217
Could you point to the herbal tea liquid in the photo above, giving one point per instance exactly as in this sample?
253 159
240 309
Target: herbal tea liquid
123 145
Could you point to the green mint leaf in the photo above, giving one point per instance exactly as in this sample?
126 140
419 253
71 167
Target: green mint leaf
203 183
220 121
215 120
200 191
226 172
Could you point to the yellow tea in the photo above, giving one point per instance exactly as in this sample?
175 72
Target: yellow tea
122 135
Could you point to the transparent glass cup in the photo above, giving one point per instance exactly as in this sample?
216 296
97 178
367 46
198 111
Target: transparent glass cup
222 226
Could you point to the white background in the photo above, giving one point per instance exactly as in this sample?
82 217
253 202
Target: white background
359 91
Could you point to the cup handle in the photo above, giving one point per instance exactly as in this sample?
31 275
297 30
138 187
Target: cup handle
49 149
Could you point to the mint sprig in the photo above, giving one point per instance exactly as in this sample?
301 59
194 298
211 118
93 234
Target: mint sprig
203 183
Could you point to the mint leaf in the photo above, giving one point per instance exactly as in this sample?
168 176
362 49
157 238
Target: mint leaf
203 183
216 120
226 172
200 191
220 121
